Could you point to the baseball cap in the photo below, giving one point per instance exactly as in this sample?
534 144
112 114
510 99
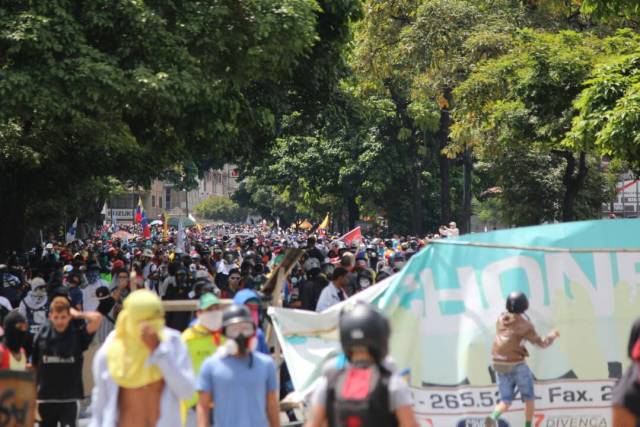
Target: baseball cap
207 300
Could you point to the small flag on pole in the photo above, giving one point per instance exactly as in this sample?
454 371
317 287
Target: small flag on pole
324 224
354 235
139 211
165 226
180 243
114 221
71 232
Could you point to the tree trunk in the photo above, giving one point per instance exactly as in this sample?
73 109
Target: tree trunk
417 211
442 140
12 218
573 183
465 223
417 216
353 211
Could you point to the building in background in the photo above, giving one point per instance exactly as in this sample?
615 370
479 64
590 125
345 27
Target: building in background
626 199
164 196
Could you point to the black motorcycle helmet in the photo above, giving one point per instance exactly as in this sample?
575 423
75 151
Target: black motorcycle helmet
235 314
362 325
517 303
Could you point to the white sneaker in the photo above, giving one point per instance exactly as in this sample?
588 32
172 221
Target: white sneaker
490 422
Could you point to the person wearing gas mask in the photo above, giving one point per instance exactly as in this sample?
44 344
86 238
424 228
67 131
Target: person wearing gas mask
366 278
251 300
10 286
312 285
292 288
202 340
240 382
372 255
16 337
34 306
89 298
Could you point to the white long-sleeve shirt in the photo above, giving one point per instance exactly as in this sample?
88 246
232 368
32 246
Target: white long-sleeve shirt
328 297
173 360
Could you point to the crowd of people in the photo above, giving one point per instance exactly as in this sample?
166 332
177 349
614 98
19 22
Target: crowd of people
88 317
62 301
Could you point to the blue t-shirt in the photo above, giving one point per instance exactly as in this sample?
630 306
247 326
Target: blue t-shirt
239 391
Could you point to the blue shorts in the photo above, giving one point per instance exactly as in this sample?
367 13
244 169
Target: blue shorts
519 377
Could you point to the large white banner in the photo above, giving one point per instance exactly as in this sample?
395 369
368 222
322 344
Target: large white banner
581 278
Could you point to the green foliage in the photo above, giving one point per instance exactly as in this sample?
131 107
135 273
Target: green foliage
137 90
609 107
221 208
611 8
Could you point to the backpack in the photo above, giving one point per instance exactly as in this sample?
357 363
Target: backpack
359 397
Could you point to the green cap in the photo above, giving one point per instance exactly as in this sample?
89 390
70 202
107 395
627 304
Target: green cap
207 300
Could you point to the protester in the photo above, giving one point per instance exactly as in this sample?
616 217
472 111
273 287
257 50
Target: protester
202 340
233 284
16 337
513 328
334 292
251 300
10 286
364 392
57 357
89 297
179 290
143 369
75 292
238 382
34 306
626 394
313 284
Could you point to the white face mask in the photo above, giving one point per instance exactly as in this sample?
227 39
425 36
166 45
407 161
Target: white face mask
212 320
365 283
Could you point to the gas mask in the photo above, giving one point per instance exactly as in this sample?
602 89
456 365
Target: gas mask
241 338
93 276
364 283
39 295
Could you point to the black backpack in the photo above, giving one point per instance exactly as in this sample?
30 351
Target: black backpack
359 397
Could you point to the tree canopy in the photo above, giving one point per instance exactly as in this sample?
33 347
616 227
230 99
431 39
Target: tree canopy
137 90
406 109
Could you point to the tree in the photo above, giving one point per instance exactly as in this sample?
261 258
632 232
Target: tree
609 106
102 88
611 8
525 99
221 208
